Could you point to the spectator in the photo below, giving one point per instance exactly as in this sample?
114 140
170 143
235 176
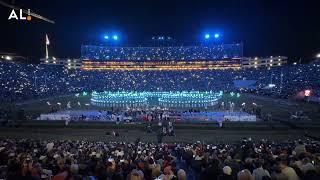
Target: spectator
259 173
66 159
226 173
244 175
289 172
300 148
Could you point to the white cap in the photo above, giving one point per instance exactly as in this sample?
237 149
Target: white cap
227 170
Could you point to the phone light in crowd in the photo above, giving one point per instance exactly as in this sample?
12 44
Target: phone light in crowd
216 35
115 37
271 85
207 36
318 55
307 92
106 37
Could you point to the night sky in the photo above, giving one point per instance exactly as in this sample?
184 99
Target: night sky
268 27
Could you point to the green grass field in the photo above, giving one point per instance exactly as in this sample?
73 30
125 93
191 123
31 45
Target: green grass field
185 132
279 108
130 135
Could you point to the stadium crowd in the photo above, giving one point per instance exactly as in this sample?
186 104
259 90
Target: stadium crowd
28 81
244 160
162 53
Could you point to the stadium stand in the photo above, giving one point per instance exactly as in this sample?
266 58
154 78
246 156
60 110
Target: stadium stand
189 53
28 81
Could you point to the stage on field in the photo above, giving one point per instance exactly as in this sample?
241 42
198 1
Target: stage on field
99 115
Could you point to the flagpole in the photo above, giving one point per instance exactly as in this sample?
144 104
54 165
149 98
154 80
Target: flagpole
47 43
47 55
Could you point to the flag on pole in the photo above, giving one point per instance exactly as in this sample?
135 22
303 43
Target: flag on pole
47 40
69 105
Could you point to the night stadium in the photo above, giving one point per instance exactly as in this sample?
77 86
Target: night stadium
163 90
221 56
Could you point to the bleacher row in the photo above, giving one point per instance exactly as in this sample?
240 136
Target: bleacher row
28 81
